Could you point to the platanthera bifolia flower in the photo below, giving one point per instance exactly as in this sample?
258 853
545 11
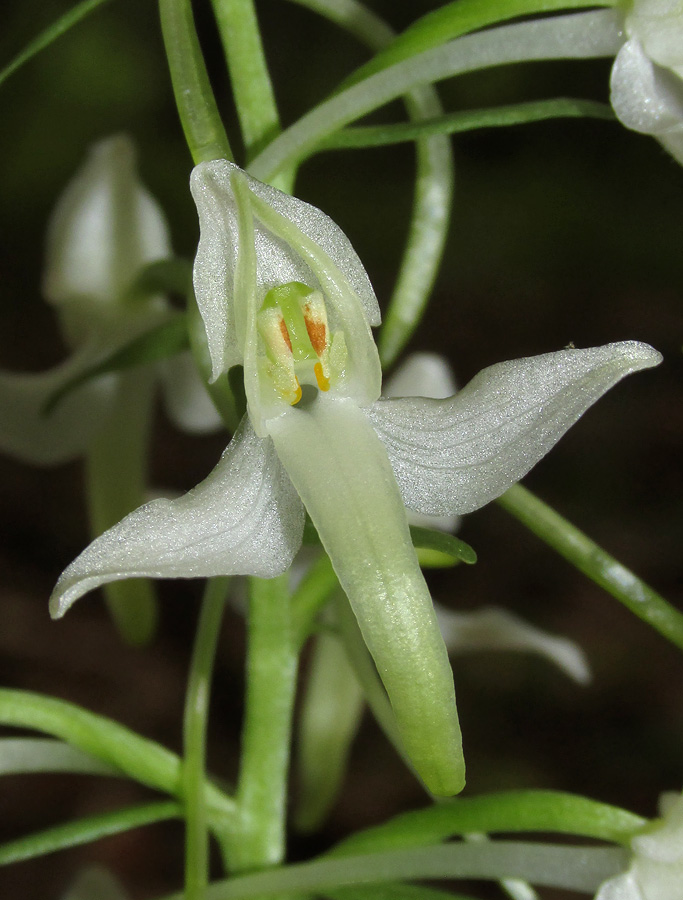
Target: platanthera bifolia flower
283 294
105 229
656 872
647 76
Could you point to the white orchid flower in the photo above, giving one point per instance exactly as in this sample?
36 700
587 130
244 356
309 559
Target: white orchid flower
656 872
282 293
647 76
105 229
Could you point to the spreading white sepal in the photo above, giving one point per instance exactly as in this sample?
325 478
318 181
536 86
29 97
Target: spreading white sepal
453 456
342 474
497 629
278 261
245 517
421 375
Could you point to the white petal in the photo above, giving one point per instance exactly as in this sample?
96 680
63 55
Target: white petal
277 264
29 434
658 25
186 399
421 375
623 887
645 97
498 629
106 226
244 519
453 456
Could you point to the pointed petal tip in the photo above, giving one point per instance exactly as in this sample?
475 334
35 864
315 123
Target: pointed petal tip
642 355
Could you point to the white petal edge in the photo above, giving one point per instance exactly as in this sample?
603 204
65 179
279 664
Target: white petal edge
277 263
245 518
105 227
644 96
454 456
498 629
623 887
95 883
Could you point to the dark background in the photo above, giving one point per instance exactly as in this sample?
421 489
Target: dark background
565 231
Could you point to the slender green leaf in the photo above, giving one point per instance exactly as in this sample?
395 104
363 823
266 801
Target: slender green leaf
458 18
467 120
199 116
586 35
135 756
313 591
393 890
575 868
162 342
436 549
63 24
511 811
594 562
85 831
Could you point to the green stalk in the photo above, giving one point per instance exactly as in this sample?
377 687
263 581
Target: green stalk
194 737
194 98
116 475
271 681
251 85
593 561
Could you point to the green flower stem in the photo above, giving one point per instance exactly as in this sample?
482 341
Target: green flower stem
132 755
251 86
433 188
509 811
594 562
194 98
468 120
271 682
116 476
63 24
84 831
194 737
393 890
575 868
578 36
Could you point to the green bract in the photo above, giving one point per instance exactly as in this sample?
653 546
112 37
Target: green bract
353 461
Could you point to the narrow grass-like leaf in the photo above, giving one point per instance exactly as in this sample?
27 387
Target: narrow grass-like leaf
510 811
159 343
393 890
312 592
135 756
454 20
85 831
594 562
467 120
575 868
63 24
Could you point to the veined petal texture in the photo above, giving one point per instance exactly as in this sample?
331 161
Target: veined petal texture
342 474
277 261
453 456
244 518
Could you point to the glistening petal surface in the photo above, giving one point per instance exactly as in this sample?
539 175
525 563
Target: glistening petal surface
645 97
453 456
244 518
277 262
